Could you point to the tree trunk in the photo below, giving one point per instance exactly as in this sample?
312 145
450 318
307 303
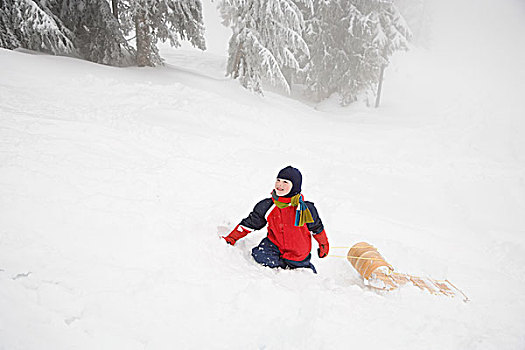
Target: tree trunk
143 40
288 76
380 85
114 4
237 62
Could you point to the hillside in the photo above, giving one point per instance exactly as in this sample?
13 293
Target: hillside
113 182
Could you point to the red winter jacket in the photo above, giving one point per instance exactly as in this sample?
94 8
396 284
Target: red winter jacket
294 243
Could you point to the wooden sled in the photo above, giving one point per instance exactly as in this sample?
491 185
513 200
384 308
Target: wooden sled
379 274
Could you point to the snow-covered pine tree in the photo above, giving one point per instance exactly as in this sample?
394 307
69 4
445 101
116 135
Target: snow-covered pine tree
266 41
325 35
83 28
350 41
32 25
8 38
154 20
97 34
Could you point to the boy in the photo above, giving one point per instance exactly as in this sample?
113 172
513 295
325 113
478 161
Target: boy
290 221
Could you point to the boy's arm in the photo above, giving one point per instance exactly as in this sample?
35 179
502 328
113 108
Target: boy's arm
256 220
318 232
316 226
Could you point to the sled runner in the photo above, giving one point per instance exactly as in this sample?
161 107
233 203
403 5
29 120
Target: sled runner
379 274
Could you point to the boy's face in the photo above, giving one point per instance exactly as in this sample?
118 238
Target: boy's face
283 187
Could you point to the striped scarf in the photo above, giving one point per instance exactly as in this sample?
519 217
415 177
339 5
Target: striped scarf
302 214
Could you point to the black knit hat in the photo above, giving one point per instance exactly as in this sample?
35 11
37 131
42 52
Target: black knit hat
293 175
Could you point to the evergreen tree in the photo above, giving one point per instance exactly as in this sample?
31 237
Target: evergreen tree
32 25
8 38
350 42
82 28
154 20
97 33
266 41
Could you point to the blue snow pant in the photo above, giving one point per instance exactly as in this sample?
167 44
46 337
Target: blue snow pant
267 254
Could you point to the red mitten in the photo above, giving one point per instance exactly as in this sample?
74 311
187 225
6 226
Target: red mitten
324 247
237 233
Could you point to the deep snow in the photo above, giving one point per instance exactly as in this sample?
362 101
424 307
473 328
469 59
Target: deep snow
113 182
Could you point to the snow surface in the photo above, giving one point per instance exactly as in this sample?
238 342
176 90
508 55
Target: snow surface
113 182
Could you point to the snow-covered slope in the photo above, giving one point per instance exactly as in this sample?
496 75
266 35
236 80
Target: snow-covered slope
113 182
